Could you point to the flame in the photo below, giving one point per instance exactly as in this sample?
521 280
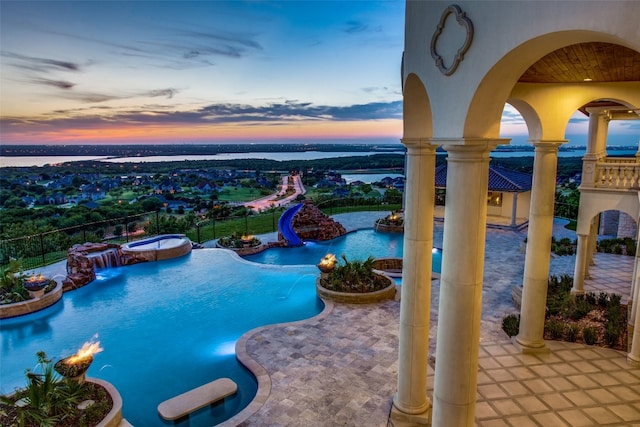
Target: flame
329 260
87 350
34 278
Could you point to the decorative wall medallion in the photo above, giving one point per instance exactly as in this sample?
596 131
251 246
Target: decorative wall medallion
463 21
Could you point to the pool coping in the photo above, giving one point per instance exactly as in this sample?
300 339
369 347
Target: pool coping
261 374
159 254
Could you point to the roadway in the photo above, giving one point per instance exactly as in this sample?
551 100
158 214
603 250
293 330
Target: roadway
277 199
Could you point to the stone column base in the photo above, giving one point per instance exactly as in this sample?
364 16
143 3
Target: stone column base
633 361
530 350
401 419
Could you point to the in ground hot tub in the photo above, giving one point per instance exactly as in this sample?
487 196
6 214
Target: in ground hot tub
160 247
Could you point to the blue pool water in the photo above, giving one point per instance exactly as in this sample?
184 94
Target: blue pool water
166 327
169 326
356 245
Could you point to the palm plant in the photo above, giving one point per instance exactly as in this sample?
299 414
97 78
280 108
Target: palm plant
354 276
47 399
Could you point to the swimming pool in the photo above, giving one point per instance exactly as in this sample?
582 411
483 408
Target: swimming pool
166 327
355 245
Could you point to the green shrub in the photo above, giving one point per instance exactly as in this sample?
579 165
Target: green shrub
615 316
614 300
603 299
589 335
572 332
618 246
511 324
555 328
630 244
591 298
578 307
558 294
11 278
612 334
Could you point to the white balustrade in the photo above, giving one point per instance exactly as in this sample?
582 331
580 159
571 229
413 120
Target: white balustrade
617 173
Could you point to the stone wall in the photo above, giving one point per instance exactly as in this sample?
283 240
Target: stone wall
310 223
626 226
80 267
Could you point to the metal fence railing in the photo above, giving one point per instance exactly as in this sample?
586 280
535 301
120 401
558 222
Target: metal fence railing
52 246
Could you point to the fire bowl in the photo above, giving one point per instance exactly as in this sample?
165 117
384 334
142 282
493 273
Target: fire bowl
325 268
35 284
73 370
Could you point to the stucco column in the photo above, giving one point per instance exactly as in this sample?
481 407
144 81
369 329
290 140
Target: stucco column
632 304
514 210
633 358
415 301
597 134
460 305
581 264
593 244
536 265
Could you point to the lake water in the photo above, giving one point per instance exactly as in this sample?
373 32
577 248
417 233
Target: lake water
368 178
306 155
25 161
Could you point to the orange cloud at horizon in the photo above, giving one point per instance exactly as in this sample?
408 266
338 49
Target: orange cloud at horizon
180 133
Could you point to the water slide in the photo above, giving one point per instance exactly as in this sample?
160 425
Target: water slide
285 226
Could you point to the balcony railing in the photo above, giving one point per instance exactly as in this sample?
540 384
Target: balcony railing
617 173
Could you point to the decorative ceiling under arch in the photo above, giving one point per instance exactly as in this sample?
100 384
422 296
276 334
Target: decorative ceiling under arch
588 62
596 62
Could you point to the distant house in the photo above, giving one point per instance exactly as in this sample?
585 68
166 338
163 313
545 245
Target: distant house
109 184
205 187
508 196
176 204
92 192
398 183
56 199
387 182
167 186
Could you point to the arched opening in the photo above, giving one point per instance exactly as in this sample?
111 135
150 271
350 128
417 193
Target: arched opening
555 96
418 120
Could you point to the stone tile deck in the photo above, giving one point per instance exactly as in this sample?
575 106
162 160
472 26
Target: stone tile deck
340 368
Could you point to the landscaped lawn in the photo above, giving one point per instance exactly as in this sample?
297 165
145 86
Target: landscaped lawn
239 194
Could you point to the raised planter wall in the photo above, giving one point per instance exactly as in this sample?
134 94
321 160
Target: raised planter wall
388 228
114 417
32 305
357 298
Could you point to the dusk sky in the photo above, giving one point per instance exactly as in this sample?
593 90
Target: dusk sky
205 71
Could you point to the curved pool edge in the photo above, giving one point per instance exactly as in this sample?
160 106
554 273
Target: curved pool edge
256 369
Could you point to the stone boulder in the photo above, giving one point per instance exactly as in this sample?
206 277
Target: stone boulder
82 260
310 223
